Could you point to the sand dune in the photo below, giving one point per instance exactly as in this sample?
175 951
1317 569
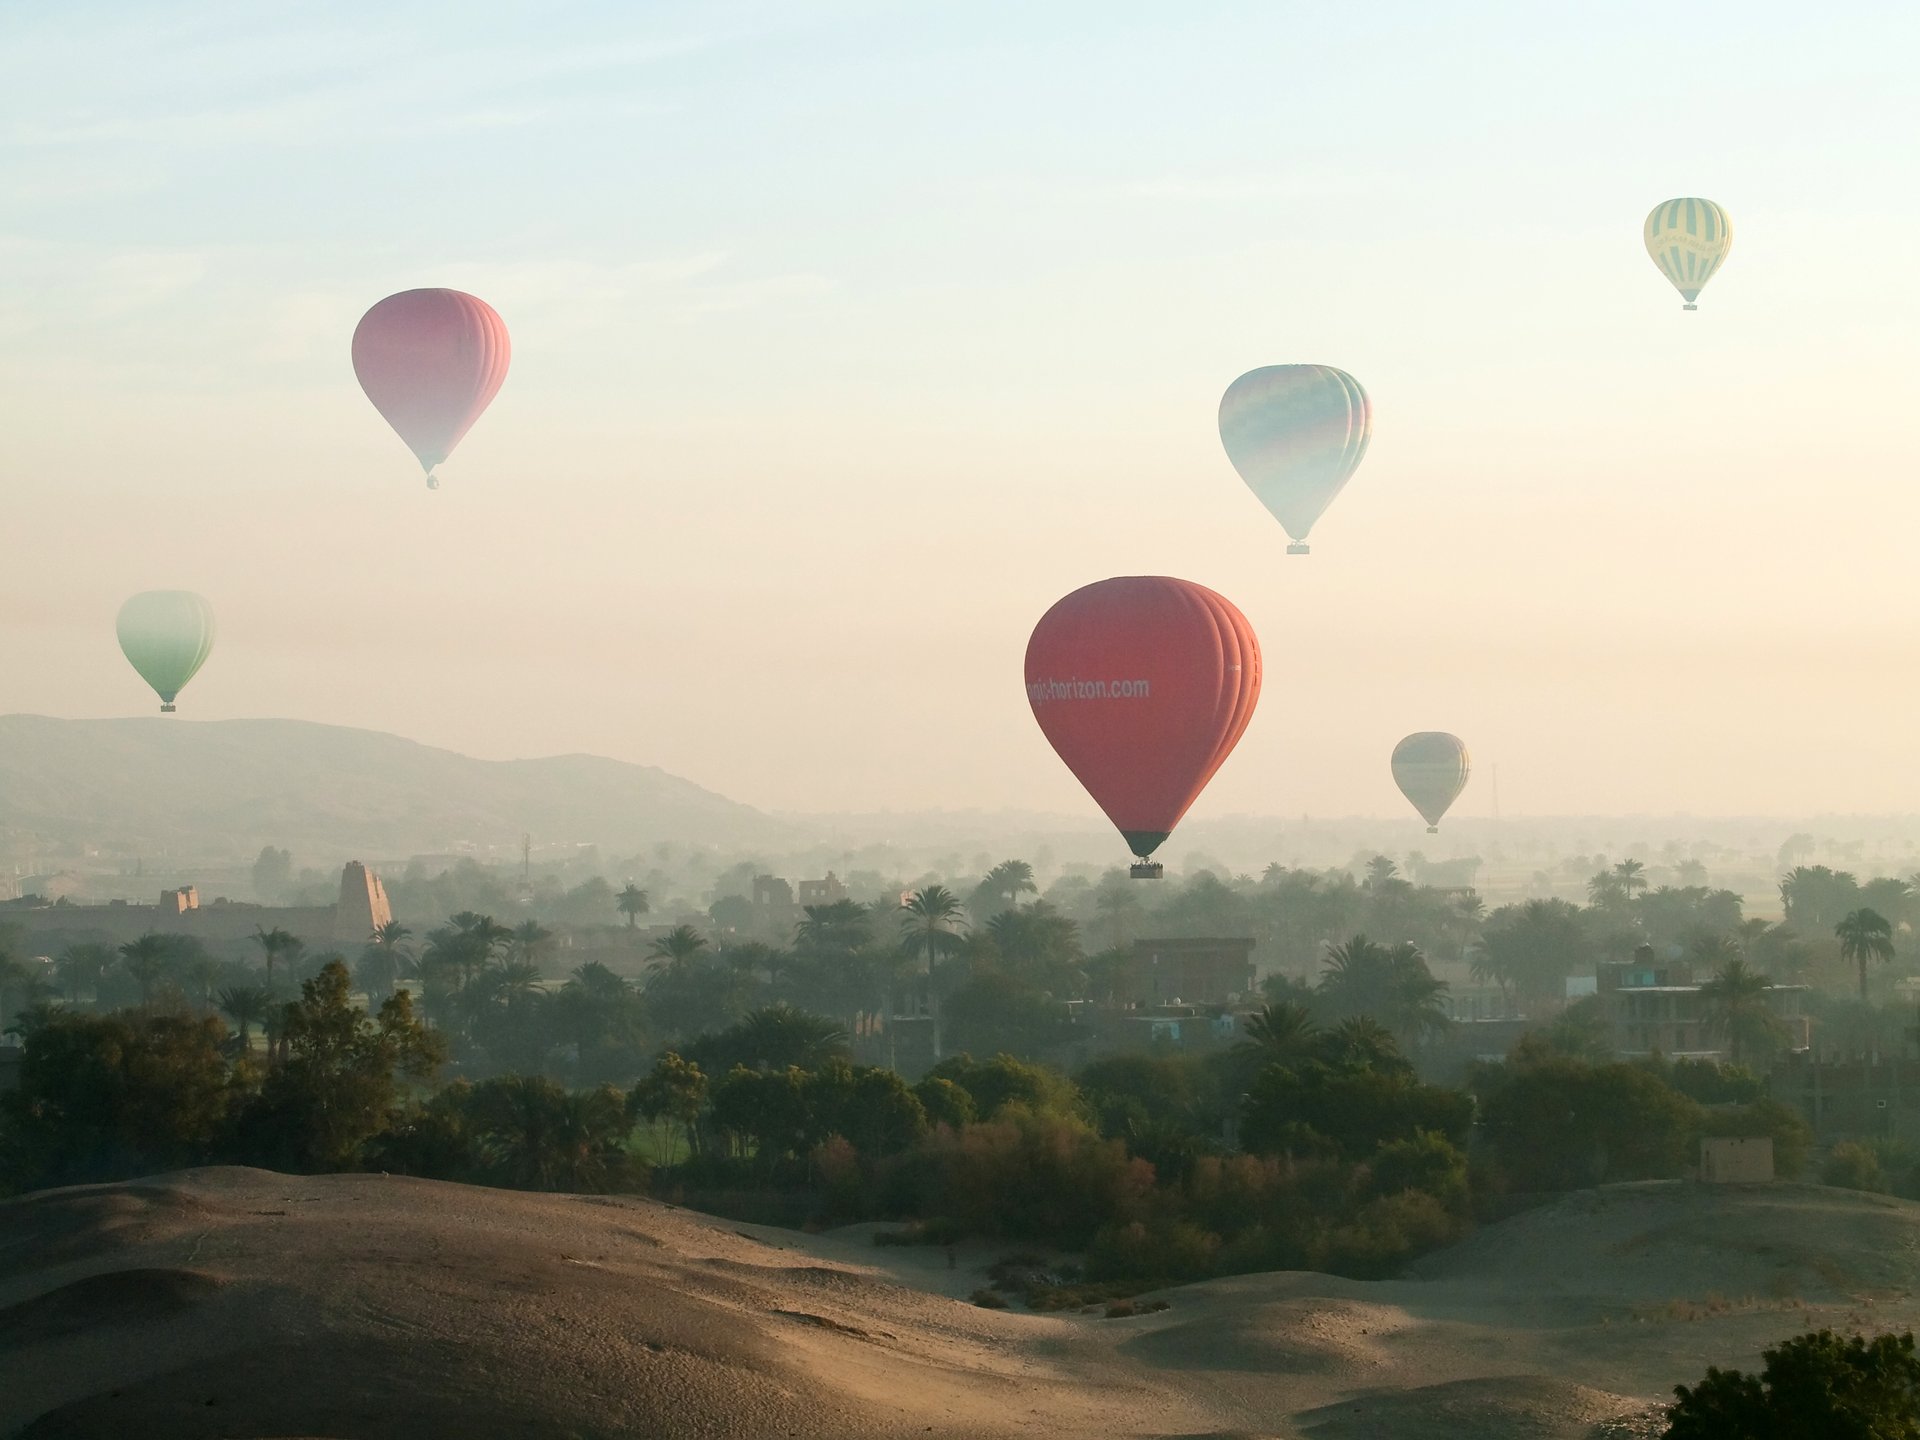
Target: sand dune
242 1303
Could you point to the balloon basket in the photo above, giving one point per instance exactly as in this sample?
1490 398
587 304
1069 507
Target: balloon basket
166 709
1689 307
1433 829
1299 547
433 482
1146 870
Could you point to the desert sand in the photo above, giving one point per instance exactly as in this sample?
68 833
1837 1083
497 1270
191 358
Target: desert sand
241 1303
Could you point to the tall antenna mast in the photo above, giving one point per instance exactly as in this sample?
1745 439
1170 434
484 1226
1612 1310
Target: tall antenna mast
526 858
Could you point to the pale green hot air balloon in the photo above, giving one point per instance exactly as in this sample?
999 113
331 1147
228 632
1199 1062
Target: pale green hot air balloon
166 635
1296 434
1688 239
1431 769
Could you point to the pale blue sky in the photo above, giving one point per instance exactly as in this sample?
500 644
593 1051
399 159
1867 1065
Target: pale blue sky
848 337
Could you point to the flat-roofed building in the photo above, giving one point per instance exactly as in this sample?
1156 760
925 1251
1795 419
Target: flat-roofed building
1187 972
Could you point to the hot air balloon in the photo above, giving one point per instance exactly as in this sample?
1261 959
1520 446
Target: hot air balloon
1296 434
431 362
1143 685
1688 239
1431 769
166 636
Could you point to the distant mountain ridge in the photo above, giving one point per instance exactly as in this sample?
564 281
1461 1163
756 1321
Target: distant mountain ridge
223 788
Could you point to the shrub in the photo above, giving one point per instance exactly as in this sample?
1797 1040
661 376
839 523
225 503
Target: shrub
1032 1177
989 1299
1852 1166
1814 1384
1162 1251
1387 1233
1427 1163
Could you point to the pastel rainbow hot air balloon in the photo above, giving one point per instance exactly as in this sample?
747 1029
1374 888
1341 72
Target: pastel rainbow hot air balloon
1143 684
1688 239
166 635
431 362
1431 769
1296 434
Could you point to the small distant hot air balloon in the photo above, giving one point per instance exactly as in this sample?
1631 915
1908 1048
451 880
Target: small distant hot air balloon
166 636
1431 769
1296 434
431 362
1688 239
1143 685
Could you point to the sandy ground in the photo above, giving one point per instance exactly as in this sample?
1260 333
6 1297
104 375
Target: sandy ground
242 1303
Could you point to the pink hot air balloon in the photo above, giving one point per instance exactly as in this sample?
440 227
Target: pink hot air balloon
431 361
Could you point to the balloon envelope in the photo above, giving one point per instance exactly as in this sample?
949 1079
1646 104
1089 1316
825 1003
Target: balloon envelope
1296 434
1431 769
1688 239
1143 684
166 635
431 362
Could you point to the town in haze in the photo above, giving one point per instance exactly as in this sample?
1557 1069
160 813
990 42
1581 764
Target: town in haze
852 721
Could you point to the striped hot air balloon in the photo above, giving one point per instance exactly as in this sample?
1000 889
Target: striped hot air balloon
1296 434
1431 769
1688 239
431 362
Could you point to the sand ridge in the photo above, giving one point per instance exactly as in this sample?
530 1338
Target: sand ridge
231 1302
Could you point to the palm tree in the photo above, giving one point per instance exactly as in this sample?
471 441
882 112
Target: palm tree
145 960
1632 877
776 1036
273 944
1282 1030
385 960
1380 869
1389 984
632 903
1736 1000
1006 883
542 1137
245 1004
530 941
834 929
1117 902
1864 935
80 968
678 946
929 922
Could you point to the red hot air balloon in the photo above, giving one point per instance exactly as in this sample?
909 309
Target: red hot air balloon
431 362
1143 685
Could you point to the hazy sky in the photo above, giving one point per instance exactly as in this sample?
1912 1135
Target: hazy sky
848 337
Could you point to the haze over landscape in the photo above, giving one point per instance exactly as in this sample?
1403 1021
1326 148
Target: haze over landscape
958 721
803 436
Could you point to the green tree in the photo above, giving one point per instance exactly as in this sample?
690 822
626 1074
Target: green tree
1864 935
341 1076
537 1135
673 1093
632 902
145 959
1817 1384
104 1097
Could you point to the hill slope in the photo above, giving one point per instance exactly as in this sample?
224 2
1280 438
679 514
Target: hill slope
224 788
244 1303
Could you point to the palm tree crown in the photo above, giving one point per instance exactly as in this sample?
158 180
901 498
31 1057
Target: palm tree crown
1865 935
